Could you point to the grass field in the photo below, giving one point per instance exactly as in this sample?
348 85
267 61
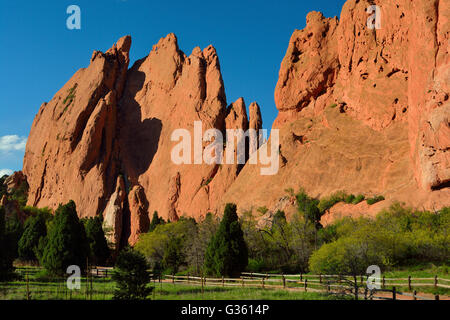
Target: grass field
41 287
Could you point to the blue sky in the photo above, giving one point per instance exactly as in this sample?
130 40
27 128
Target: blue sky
39 54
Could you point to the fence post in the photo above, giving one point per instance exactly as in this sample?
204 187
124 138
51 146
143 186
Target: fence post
223 281
28 288
320 278
414 295
243 283
409 283
262 281
365 293
435 281
436 297
173 278
384 282
301 277
394 293
362 280
284 281
306 285
188 278
202 286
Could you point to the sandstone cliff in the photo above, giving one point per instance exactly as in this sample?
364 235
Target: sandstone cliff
363 110
104 139
360 110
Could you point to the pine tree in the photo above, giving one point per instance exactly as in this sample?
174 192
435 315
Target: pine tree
131 276
6 256
34 229
66 242
156 220
227 252
99 250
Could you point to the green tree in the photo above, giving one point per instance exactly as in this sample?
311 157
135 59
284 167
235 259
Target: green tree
6 256
3 190
227 252
173 255
98 245
66 242
14 230
156 220
131 276
35 228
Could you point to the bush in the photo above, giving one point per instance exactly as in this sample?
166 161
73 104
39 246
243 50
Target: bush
328 202
371 201
227 252
131 276
349 199
346 256
359 198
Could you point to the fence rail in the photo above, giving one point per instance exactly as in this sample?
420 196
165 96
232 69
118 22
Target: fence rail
391 288
333 284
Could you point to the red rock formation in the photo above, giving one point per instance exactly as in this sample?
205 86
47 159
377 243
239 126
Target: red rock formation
104 139
360 110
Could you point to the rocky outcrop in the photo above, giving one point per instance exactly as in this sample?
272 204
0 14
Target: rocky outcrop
362 110
16 181
69 153
104 139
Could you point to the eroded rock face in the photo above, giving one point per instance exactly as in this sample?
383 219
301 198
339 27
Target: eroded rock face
362 110
16 181
104 140
70 147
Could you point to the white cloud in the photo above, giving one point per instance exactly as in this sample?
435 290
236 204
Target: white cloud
12 143
5 172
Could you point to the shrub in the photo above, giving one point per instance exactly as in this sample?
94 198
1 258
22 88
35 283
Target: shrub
349 199
328 202
131 276
359 198
371 201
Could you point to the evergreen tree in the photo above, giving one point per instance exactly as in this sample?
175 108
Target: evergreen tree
156 220
99 250
131 276
14 230
66 242
6 257
227 253
35 228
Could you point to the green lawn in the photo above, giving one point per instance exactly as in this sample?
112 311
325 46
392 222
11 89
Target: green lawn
41 288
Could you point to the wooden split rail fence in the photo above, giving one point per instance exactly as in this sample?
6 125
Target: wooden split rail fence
333 284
